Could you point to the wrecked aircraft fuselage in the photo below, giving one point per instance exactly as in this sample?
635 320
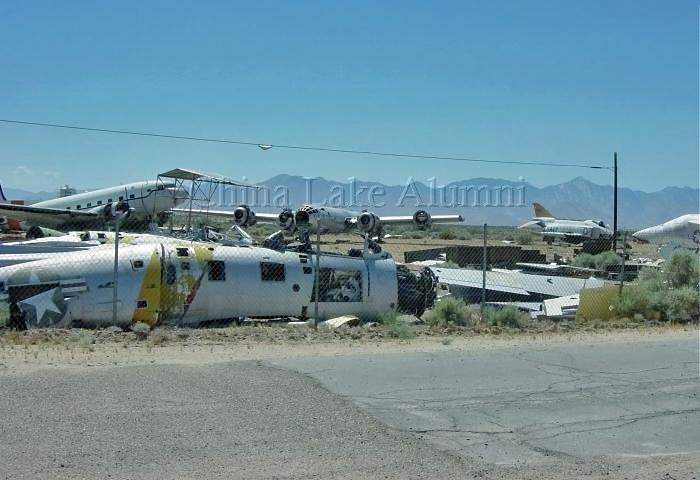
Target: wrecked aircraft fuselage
192 283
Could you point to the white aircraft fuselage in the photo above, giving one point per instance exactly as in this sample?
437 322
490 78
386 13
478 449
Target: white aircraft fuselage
681 232
190 283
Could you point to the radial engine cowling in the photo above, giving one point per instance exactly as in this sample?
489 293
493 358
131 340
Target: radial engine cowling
367 222
115 210
421 219
285 220
243 216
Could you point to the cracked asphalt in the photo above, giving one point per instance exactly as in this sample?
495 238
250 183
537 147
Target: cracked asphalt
621 409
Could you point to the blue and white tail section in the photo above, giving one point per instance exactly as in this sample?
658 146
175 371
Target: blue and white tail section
2 195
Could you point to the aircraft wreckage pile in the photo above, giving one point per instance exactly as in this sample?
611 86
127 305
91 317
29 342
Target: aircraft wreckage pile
164 281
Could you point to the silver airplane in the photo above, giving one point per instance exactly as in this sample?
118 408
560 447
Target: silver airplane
142 201
681 232
331 219
189 283
565 230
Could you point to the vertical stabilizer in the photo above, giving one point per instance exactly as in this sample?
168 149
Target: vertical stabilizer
540 211
2 195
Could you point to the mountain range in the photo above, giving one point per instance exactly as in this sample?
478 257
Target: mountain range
578 198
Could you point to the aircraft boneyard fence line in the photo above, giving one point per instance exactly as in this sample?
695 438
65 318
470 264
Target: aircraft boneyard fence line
508 275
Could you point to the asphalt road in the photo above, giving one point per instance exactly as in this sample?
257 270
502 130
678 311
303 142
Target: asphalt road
614 410
595 409
230 420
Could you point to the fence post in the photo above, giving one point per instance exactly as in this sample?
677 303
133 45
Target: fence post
115 281
622 267
483 273
316 270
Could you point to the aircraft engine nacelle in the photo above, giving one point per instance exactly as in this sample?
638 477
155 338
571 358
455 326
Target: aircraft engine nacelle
116 210
421 219
243 216
285 220
40 232
368 222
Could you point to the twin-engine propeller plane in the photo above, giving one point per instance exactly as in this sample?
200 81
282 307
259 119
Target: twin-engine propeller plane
140 201
331 219
191 283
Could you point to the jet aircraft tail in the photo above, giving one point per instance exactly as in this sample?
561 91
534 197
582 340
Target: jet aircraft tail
540 211
2 195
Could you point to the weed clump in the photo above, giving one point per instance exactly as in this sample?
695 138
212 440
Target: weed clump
452 311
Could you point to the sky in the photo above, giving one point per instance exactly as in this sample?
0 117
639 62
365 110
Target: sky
542 81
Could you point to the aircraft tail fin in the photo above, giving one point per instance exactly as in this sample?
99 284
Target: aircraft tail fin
540 211
2 195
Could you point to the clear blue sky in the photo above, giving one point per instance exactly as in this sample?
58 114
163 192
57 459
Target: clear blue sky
566 81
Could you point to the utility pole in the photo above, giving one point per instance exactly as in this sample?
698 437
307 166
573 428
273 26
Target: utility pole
615 202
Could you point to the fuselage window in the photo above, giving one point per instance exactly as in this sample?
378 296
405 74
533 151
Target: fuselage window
183 252
77 207
121 198
109 200
131 196
217 271
89 204
99 202
272 272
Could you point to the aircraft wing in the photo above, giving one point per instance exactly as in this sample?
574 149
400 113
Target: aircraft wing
259 217
562 234
408 219
45 217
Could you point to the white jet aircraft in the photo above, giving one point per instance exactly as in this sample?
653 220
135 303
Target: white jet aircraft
681 232
566 230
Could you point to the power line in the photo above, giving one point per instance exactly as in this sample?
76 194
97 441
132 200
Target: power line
266 146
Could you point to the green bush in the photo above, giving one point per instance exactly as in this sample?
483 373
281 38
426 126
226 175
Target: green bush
395 327
508 316
652 299
451 311
600 261
447 235
523 238
683 305
605 259
682 270
584 260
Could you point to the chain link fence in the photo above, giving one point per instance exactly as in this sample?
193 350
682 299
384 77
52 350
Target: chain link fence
447 274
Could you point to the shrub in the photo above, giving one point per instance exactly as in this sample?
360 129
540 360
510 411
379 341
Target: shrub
639 300
605 259
447 235
508 316
683 305
395 327
452 311
523 238
682 270
584 260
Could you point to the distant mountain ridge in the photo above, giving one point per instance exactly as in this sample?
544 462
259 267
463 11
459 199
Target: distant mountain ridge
578 198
